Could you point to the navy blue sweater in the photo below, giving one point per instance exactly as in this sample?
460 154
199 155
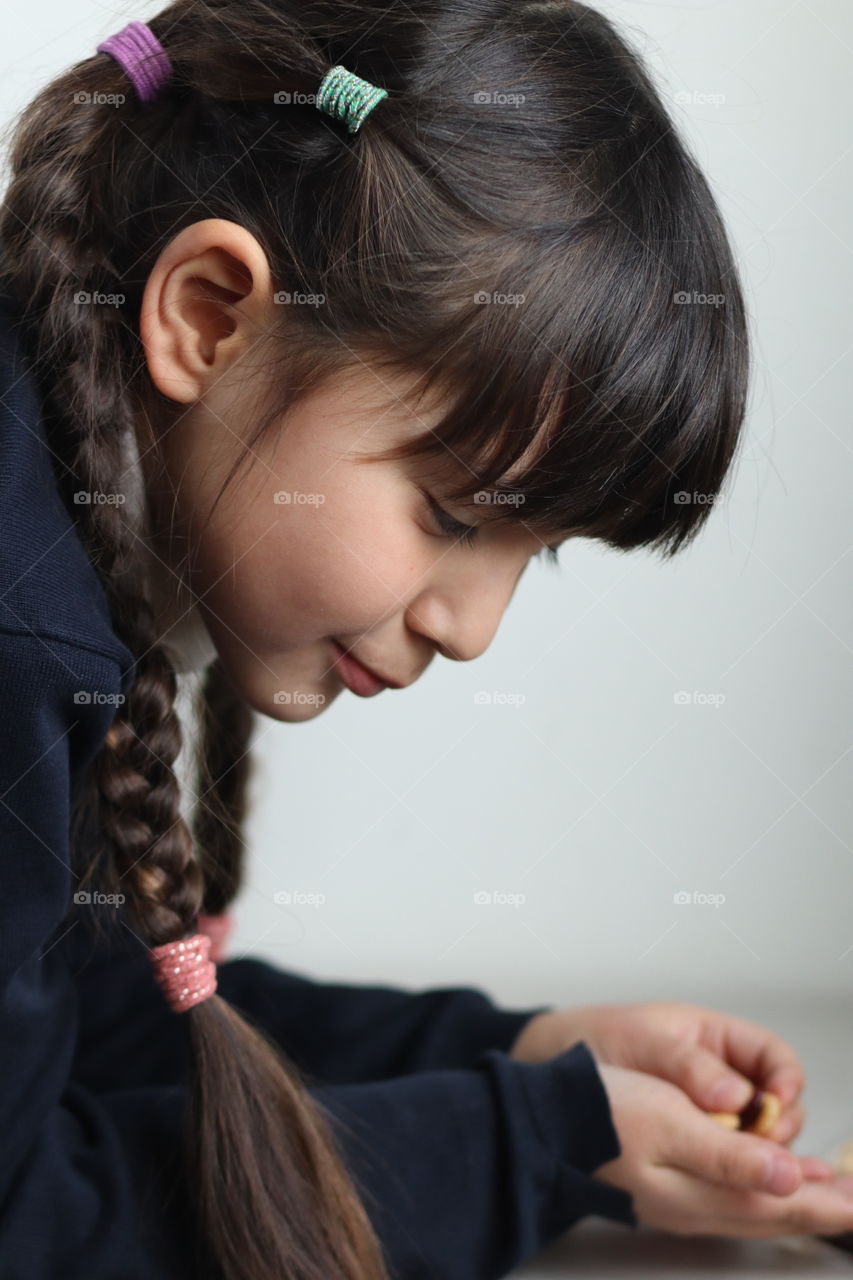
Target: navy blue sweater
468 1161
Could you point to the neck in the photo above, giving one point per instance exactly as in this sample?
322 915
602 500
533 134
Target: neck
178 621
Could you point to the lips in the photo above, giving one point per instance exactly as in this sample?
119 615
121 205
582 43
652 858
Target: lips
356 676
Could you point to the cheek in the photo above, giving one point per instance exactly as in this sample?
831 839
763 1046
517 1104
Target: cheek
285 575
344 565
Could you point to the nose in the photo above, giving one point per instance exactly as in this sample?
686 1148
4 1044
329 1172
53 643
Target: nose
461 619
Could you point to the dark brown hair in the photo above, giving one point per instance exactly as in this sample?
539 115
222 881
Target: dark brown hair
520 226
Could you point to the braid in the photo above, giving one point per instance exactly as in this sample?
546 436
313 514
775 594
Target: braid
273 1197
139 793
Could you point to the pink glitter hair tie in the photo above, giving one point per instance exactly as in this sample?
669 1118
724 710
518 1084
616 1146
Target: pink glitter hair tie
184 971
138 51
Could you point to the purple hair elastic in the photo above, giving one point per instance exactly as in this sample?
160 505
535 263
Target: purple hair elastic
140 53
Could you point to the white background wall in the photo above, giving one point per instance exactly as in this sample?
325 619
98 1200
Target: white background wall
599 798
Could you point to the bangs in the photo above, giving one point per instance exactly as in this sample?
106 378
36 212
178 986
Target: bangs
613 416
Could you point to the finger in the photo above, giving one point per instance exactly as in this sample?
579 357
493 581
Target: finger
814 1209
816 1170
704 1148
763 1115
709 1082
763 1057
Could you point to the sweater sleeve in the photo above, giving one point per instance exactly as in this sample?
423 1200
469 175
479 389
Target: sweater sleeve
348 1033
342 1033
468 1173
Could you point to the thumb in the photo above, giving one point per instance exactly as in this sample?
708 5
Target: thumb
708 1081
734 1159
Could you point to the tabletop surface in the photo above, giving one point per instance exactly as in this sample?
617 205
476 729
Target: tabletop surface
822 1034
600 1249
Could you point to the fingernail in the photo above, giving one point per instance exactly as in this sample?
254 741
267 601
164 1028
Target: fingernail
729 1095
782 1175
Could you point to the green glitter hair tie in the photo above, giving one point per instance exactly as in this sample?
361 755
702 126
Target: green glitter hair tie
347 97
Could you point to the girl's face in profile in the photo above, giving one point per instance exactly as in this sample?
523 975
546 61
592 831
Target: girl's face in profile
308 550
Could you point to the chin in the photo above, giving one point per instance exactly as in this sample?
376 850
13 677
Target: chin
295 708
291 705
273 698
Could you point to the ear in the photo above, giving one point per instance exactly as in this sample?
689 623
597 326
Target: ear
207 300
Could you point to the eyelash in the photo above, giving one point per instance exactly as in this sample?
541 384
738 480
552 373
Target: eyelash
467 533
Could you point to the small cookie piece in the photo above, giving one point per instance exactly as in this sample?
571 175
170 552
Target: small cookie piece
758 1116
761 1113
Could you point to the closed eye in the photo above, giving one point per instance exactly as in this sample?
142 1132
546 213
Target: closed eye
450 527
467 533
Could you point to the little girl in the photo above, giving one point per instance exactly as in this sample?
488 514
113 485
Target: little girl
318 320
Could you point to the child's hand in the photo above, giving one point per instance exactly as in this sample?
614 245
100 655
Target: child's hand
702 1051
690 1176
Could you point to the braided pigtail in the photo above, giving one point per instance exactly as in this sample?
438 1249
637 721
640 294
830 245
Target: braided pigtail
273 1197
